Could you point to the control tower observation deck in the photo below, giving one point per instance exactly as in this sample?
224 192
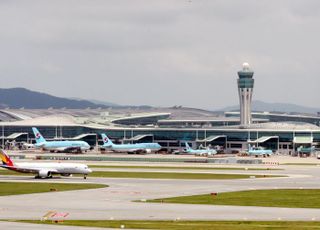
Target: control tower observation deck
245 88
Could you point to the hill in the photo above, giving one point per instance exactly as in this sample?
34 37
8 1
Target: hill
276 107
20 97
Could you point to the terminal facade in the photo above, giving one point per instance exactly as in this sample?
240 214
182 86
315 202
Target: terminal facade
285 140
232 132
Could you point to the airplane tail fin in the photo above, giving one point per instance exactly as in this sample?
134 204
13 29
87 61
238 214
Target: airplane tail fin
5 158
38 136
187 146
106 140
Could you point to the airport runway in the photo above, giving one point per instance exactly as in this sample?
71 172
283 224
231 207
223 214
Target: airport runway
27 226
115 202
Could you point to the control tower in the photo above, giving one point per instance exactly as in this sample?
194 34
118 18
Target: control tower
245 88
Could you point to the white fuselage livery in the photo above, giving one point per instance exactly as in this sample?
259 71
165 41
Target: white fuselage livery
44 170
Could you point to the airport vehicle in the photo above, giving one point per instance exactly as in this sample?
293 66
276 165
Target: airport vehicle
44 170
59 146
200 152
130 148
28 146
259 151
306 150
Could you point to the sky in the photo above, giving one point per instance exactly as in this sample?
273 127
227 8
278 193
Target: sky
162 52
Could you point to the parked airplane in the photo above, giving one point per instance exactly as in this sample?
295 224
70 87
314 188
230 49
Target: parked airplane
59 146
130 148
44 170
200 152
259 151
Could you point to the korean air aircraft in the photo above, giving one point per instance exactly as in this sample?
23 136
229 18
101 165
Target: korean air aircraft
259 151
44 170
130 148
200 152
59 146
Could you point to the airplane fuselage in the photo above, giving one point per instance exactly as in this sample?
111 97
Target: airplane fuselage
133 147
201 151
47 169
63 145
260 152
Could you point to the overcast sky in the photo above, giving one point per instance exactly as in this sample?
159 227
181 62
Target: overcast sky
160 52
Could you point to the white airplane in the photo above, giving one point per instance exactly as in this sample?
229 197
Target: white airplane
44 170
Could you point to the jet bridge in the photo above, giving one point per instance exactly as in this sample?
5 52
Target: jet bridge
268 142
143 138
220 140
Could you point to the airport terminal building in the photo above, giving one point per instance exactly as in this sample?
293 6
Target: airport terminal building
170 127
285 137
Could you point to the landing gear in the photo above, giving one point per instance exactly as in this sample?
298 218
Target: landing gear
85 176
37 177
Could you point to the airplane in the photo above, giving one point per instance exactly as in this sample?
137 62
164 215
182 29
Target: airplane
200 152
44 170
130 148
259 151
59 146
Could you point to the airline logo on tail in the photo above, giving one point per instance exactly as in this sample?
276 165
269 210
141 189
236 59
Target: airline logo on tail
38 135
106 140
39 138
5 159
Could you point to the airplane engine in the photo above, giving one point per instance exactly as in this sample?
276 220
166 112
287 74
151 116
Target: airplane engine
65 174
148 150
44 174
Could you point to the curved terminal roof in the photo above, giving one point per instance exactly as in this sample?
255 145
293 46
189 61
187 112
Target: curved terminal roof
285 126
54 120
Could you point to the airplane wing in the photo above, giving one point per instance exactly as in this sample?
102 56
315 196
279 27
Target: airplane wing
28 170
69 149
136 150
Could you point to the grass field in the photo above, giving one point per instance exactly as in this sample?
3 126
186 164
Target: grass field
171 175
189 225
290 198
156 175
17 188
177 167
302 164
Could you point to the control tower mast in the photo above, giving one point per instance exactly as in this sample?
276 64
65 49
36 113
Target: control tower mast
245 88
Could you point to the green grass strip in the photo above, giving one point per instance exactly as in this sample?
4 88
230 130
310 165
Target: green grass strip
177 167
188 225
158 175
173 175
18 188
302 164
289 198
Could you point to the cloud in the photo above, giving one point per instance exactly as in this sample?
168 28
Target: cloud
162 52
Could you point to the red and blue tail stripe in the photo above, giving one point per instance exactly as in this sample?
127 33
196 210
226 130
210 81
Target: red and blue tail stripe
6 161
